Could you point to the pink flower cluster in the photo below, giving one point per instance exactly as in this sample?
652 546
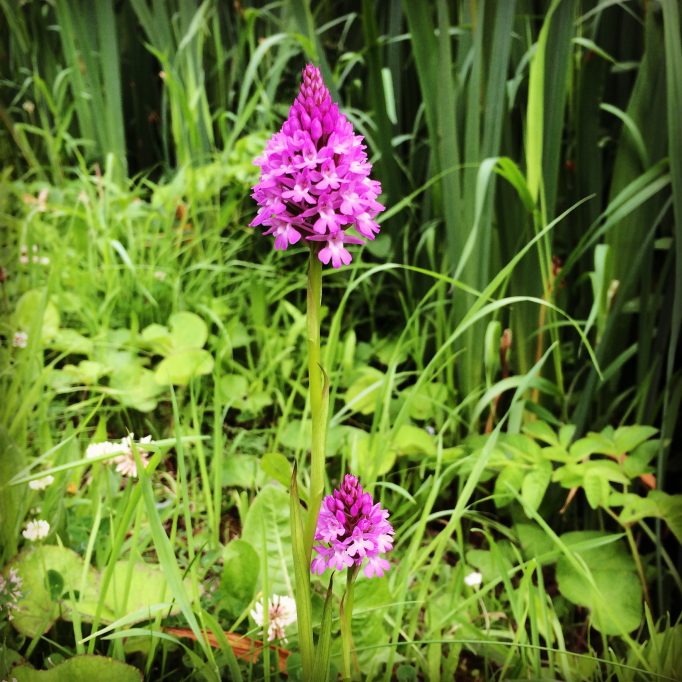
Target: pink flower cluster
352 529
314 181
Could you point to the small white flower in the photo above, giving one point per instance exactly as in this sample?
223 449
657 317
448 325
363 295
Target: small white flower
106 448
28 106
473 579
160 275
20 339
281 612
125 463
44 260
36 530
41 483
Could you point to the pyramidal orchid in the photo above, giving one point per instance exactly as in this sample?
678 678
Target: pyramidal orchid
352 530
314 184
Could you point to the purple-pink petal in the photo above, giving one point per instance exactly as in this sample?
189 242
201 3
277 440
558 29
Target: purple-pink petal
316 169
352 530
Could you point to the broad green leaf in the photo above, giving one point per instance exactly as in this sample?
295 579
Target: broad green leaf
426 400
157 338
592 444
183 365
80 669
656 504
509 479
85 372
414 441
187 330
637 463
268 519
135 386
239 580
241 471
596 488
627 438
615 602
362 394
276 466
29 307
233 388
138 587
541 431
535 484
70 341
37 609
534 540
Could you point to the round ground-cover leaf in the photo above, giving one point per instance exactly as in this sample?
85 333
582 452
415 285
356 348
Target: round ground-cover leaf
266 529
80 669
411 440
29 306
37 610
157 338
181 366
615 602
235 390
70 341
137 588
187 330
135 386
426 400
238 583
362 394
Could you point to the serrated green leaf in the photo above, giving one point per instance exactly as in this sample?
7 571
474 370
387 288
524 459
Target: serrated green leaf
627 438
535 485
541 431
80 669
596 488
509 479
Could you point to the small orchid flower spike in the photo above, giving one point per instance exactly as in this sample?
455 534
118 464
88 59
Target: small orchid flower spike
314 184
352 529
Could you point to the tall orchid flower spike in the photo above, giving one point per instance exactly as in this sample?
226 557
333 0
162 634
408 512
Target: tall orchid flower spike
314 183
352 530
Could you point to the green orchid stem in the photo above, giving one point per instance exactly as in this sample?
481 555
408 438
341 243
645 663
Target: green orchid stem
346 613
319 400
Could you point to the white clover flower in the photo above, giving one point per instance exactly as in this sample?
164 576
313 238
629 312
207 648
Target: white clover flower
473 579
124 459
36 530
41 483
281 612
20 339
106 448
125 463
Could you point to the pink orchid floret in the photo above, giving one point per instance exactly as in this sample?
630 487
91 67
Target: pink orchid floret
352 530
314 183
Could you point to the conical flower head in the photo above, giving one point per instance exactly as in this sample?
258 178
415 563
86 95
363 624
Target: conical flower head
351 528
314 183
